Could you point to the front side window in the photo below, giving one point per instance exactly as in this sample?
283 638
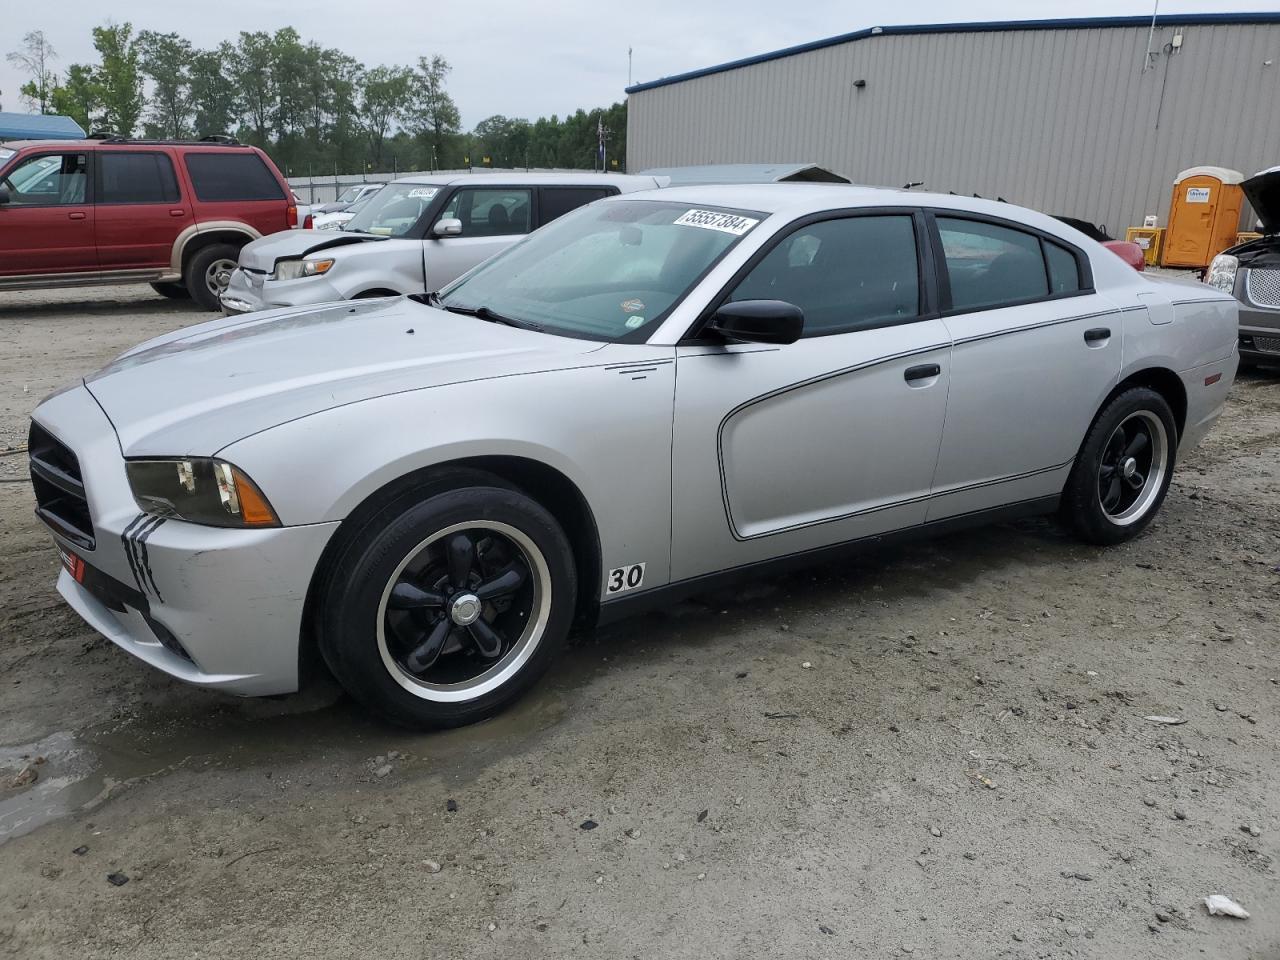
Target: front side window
490 212
610 271
990 265
848 274
136 178
232 177
51 180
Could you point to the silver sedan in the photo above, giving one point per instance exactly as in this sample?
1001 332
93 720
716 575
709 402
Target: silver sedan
650 396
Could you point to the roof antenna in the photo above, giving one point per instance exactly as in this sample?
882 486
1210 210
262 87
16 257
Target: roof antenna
913 183
1147 60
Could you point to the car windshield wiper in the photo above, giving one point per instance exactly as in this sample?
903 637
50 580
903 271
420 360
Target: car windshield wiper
484 313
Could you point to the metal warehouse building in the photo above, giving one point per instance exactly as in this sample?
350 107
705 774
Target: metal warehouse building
1091 118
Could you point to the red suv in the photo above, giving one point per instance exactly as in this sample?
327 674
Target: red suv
171 213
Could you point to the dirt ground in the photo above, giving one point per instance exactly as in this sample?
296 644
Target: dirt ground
936 751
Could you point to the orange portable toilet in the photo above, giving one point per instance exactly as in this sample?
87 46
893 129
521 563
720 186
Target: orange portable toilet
1204 216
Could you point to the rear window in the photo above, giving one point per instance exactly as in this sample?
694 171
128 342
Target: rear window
232 176
136 178
557 201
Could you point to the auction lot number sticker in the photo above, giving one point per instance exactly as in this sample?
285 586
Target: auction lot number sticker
622 579
715 220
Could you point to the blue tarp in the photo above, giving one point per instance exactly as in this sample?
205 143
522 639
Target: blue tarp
31 126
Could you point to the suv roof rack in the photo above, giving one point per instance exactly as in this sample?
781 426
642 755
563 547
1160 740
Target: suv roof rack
218 138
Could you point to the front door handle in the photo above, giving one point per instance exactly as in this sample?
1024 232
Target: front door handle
1097 334
75 215
177 213
922 372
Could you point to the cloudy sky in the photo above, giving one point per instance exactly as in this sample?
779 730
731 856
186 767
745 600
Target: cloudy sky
526 59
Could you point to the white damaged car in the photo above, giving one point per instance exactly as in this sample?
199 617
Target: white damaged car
413 236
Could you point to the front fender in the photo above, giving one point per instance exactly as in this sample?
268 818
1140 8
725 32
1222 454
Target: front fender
606 428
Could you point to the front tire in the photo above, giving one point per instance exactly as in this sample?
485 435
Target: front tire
1122 473
208 273
444 610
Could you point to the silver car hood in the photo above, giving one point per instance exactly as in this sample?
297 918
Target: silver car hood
262 254
196 390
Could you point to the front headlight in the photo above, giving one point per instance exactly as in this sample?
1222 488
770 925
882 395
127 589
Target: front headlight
1222 273
295 269
211 492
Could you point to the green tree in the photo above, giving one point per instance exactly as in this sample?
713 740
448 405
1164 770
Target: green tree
432 115
214 97
250 70
79 97
384 96
166 59
36 58
119 77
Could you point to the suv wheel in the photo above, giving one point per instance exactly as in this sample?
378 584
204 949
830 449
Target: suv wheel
441 612
172 291
209 272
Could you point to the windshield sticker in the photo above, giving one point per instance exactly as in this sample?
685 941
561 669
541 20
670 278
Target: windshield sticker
714 220
632 305
635 321
424 193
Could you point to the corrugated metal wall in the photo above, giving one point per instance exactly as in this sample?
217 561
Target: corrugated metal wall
1064 121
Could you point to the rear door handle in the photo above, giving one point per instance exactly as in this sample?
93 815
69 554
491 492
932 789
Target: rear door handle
1097 334
77 215
922 372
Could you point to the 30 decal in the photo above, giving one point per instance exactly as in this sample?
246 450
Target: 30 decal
622 579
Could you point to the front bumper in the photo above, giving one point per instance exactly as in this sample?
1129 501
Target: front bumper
248 292
219 608
1259 333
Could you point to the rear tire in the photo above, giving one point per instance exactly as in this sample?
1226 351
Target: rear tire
208 272
422 635
1122 473
172 291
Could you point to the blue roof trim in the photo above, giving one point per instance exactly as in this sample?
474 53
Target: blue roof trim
1069 23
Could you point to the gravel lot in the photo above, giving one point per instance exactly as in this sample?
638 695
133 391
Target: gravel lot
937 751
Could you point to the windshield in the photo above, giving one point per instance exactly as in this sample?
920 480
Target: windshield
349 194
394 209
345 217
608 271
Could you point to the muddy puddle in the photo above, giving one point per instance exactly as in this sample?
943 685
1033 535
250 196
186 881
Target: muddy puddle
78 771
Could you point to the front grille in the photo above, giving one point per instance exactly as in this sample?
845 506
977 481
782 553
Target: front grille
1267 344
60 498
1264 287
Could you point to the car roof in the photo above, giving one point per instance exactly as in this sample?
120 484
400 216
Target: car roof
24 144
585 178
798 199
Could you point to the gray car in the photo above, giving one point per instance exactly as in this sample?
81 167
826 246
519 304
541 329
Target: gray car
649 397
415 235
1251 273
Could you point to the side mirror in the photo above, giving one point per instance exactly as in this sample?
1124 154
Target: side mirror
758 321
448 227
4 195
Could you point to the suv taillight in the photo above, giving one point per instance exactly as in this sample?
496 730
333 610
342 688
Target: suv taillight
291 216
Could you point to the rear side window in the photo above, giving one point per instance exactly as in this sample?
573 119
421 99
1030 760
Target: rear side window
849 274
136 178
557 201
990 265
231 176
1064 271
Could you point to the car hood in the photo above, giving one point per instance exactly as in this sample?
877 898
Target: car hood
1263 193
262 254
194 391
